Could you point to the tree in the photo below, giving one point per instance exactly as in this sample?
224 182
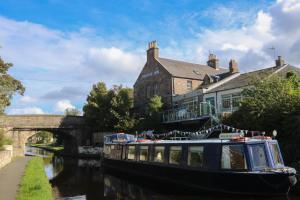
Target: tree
8 85
155 105
152 120
72 112
109 110
272 104
97 106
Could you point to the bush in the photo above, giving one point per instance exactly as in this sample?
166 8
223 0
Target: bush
4 140
35 184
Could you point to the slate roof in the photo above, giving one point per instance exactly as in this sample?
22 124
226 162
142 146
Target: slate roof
245 79
188 70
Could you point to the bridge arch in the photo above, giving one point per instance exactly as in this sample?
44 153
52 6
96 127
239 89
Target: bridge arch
21 127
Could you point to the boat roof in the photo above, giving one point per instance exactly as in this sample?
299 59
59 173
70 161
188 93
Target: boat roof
199 141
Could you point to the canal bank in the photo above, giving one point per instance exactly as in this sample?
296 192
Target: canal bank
34 184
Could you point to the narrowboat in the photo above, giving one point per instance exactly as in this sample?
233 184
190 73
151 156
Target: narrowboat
229 164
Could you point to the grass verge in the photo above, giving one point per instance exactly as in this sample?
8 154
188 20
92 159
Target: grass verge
34 184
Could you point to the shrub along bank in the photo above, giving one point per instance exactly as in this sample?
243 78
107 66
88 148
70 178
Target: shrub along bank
34 184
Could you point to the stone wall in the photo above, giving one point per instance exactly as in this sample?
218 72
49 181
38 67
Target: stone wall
180 85
6 156
152 75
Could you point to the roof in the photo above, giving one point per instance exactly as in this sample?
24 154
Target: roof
245 79
188 70
199 141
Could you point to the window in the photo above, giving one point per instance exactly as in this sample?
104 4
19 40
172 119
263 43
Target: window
195 156
236 100
175 155
107 150
231 102
226 102
189 85
258 156
155 89
148 91
211 101
233 157
159 154
144 153
131 153
276 154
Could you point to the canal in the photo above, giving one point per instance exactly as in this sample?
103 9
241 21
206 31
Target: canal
85 179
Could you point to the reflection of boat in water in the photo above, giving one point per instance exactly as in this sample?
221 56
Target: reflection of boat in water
233 165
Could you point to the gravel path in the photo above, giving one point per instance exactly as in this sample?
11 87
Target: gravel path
10 177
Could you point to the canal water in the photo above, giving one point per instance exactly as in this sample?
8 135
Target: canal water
85 179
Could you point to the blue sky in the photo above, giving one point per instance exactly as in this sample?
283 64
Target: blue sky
60 48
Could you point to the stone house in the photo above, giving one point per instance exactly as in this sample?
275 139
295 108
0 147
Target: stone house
196 92
169 78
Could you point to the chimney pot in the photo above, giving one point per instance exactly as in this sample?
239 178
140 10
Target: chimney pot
213 61
233 66
279 62
153 50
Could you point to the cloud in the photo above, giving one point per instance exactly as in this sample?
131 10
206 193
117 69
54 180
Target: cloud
55 64
27 100
62 105
26 110
249 43
65 93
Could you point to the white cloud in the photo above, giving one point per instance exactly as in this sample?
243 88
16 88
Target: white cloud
26 110
62 105
250 43
27 100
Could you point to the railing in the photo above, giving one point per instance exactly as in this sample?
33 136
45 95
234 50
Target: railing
196 111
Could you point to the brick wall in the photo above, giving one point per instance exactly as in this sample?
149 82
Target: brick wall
5 156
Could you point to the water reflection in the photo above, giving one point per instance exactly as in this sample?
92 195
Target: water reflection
85 179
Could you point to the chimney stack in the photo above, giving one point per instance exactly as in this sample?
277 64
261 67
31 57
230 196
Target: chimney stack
213 61
233 66
153 51
279 62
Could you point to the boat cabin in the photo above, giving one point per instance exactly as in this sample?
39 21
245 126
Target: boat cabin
209 154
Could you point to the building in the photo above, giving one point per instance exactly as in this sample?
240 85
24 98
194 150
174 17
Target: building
193 92
221 97
169 78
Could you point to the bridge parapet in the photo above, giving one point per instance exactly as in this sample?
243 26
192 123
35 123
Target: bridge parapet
41 121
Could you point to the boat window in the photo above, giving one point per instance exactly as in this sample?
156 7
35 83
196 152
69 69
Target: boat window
233 157
258 156
195 156
107 149
144 153
276 154
175 154
131 153
159 154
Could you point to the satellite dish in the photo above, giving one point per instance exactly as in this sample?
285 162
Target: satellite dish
274 133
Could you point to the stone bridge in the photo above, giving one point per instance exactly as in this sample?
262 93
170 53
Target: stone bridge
72 130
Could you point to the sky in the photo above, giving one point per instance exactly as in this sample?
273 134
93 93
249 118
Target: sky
60 48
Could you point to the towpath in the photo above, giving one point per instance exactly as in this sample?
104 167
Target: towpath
10 178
